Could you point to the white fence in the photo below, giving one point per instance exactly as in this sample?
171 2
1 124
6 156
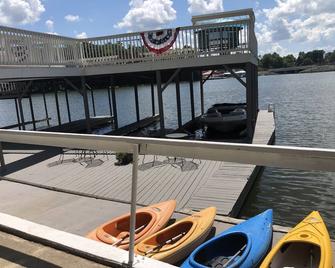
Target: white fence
262 155
20 47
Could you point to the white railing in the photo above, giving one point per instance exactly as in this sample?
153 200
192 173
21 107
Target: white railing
261 155
20 47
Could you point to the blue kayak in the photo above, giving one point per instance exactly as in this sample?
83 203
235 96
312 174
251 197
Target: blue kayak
243 245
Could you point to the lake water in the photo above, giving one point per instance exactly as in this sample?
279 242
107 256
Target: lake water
305 116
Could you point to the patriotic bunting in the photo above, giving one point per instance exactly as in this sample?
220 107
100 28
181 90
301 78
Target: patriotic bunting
160 41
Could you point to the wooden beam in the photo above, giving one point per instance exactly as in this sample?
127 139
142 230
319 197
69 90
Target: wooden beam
160 101
137 108
67 104
57 108
32 112
86 106
110 101
172 77
46 108
177 81
21 113
93 102
192 96
17 114
205 80
67 81
235 75
116 123
2 159
152 98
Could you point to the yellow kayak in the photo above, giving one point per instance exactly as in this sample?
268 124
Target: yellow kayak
178 240
306 245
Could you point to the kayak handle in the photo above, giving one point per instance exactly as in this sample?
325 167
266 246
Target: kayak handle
234 256
127 235
165 243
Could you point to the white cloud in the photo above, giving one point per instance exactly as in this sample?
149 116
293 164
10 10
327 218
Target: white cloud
197 7
147 14
71 18
50 25
81 35
16 12
308 22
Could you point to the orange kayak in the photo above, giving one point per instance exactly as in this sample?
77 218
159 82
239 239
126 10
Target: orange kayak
178 240
149 220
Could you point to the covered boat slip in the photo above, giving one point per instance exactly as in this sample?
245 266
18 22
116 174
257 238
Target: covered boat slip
194 183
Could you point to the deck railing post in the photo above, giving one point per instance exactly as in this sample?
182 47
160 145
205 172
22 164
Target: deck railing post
2 159
133 205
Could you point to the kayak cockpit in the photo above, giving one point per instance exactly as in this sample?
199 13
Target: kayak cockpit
225 251
170 238
119 230
309 255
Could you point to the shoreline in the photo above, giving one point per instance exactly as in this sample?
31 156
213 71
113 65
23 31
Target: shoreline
299 69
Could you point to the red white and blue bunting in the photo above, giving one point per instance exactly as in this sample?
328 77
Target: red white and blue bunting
160 41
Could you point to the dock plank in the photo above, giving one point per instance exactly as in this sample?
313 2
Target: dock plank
193 183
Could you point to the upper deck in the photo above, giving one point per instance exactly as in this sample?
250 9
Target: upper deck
213 40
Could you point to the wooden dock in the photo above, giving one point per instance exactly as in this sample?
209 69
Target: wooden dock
194 183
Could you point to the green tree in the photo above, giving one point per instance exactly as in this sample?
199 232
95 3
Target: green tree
289 60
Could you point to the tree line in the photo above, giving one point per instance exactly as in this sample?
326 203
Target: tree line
315 57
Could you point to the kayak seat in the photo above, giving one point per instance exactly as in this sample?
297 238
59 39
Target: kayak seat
116 230
167 234
221 249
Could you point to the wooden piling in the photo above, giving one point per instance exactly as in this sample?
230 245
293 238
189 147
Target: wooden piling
202 102
137 108
192 96
160 101
177 81
116 123
153 98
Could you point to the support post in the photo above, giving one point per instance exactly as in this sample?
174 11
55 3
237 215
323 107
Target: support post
136 103
114 104
21 113
202 101
192 96
32 112
57 108
160 101
153 99
133 205
249 98
86 107
46 109
93 103
110 101
17 114
180 123
67 104
2 159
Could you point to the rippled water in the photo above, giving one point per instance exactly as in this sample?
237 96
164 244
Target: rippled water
305 116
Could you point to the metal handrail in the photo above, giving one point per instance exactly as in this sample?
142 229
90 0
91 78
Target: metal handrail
263 155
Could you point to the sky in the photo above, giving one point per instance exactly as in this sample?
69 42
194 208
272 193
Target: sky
282 26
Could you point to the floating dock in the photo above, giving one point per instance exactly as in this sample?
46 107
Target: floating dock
53 211
194 183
